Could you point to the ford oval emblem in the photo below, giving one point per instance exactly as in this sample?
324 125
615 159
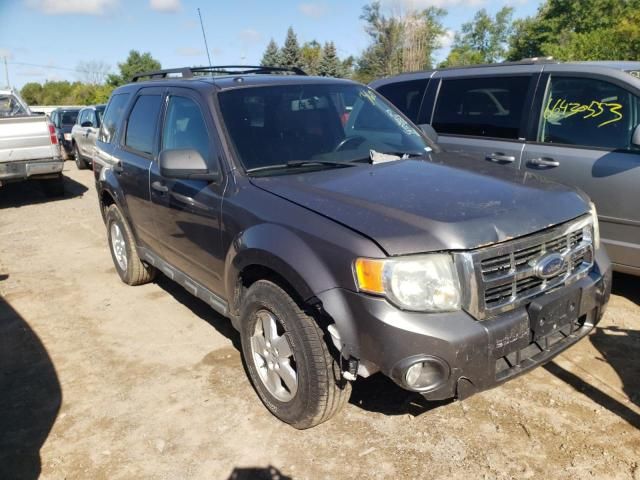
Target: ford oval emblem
549 266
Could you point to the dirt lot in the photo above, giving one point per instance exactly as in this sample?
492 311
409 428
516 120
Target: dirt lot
101 380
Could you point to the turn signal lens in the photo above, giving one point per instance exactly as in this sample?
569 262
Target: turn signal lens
369 275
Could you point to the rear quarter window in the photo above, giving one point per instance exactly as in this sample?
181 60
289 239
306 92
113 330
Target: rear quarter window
483 107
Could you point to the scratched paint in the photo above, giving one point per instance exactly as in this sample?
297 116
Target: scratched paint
604 112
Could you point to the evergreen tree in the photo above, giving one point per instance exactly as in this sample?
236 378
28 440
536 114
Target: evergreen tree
290 53
311 56
271 57
135 63
330 63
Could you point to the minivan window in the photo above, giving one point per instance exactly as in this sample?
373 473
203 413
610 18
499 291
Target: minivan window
141 125
113 116
68 117
272 126
588 112
407 96
479 106
184 127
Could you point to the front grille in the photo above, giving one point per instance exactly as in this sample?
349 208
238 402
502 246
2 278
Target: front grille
504 275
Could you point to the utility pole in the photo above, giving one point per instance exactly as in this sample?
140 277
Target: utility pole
6 71
204 36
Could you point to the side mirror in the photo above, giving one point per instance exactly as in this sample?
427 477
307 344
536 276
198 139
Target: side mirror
635 138
429 132
185 163
86 124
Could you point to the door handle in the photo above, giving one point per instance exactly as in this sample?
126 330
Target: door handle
117 167
543 162
500 157
159 187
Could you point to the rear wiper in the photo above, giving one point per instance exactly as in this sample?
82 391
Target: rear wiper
299 163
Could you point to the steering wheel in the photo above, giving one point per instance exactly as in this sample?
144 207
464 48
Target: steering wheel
347 140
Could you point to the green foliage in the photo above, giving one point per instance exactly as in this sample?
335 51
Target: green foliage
271 57
135 63
290 53
330 65
311 57
398 42
65 93
580 30
483 40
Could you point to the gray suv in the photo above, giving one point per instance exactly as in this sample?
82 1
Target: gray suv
83 134
576 123
338 239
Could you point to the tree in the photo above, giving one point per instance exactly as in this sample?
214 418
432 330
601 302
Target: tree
290 53
271 56
330 63
311 57
398 42
32 93
135 63
93 72
579 30
483 40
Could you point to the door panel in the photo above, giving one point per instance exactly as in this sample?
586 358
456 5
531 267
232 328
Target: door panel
584 140
484 116
187 212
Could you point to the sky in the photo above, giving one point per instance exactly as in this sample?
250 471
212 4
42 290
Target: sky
47 39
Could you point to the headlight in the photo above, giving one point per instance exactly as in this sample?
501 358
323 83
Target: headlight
596 225
427 283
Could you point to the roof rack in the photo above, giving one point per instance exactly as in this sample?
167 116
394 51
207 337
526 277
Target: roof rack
190 72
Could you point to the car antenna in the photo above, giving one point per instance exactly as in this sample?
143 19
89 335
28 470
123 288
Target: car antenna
205 38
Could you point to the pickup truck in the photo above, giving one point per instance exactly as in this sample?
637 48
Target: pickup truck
29 148
342 245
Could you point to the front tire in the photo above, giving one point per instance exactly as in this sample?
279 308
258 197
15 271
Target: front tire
125 257
80 163
287 358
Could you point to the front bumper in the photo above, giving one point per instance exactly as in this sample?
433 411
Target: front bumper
23 170
479 354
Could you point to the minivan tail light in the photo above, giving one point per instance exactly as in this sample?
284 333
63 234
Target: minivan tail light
52 135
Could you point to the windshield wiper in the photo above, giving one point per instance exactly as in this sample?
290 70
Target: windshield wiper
382 157
299 163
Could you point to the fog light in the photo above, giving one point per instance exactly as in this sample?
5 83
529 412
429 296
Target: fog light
425 374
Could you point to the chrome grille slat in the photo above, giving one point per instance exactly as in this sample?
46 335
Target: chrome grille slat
504 274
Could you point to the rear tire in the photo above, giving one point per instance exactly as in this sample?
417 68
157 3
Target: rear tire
307 388
123 250
53 187
80 163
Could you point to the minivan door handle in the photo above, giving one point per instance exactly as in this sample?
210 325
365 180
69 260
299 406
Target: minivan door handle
499 157
159 187
543 162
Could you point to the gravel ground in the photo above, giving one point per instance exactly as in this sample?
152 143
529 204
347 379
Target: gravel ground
104 381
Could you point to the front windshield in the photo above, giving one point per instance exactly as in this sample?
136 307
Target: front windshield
274 125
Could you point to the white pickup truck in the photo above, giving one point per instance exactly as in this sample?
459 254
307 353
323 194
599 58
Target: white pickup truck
29 147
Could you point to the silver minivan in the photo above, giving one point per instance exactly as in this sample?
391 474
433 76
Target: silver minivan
576 123
84 133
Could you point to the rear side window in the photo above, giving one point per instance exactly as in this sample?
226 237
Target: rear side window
112 117
141 126
483 107
588 112
407 96
184 127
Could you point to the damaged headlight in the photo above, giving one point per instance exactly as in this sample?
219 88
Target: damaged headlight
427 283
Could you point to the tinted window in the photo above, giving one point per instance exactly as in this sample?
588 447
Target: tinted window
141 126
485 107
112 117
68 117
184 127
332 122
407 96
588 112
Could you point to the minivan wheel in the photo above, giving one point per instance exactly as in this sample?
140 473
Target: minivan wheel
287 358
125 257
80 163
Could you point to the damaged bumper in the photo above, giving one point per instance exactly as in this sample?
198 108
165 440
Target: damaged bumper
454 355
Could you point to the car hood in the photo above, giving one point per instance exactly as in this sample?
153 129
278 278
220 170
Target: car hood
447 202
